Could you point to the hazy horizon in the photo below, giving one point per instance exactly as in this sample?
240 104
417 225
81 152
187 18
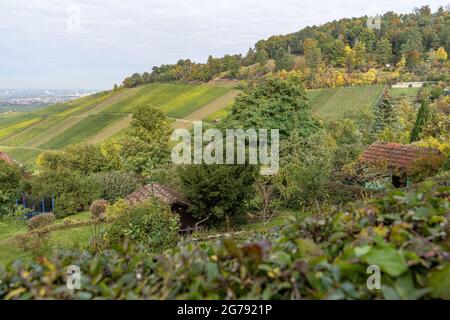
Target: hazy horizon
59 44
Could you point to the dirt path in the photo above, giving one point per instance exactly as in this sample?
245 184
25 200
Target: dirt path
111 130
182 124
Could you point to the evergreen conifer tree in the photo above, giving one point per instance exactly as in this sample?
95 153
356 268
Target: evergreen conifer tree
421 120
384 112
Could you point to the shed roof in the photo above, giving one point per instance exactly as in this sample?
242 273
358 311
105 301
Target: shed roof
7 158
396 155
165 194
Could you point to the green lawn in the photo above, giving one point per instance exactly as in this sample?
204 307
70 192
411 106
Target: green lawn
60 239
278 220
408 93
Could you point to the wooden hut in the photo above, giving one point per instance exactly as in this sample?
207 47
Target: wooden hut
175 200
398 158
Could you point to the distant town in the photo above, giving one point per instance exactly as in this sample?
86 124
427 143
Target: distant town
27 99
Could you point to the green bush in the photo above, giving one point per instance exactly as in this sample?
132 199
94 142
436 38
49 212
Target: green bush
73 192
9 184
116 209
218 191
83 158
40 221
98 208
321 256
116 184
151 223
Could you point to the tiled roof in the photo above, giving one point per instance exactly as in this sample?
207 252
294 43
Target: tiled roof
396 155
165 194
6 158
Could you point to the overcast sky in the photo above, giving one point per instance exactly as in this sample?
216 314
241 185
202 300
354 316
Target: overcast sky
94 43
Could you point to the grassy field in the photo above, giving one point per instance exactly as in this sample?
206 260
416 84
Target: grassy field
79 237
10 228
408 93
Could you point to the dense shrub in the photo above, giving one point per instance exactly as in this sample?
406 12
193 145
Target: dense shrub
98 208
218 191
116 209
84 158
426 167
9 183
73 192
40 221
321 256
151 223
116 184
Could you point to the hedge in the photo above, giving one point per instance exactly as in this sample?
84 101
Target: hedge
317 256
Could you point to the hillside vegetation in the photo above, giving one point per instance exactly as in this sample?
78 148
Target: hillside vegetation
341 52
97 117
334 103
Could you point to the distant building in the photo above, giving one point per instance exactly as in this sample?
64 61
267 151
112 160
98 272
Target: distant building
408 85
398 158
447 92
176 201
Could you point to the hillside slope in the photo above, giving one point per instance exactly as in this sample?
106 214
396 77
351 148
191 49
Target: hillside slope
98 117
330 103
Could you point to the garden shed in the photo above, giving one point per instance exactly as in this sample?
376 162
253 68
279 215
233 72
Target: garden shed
398 159
175 200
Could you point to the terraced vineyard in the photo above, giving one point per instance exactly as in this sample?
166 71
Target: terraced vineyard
99 117
96 118
331 103
83 130
337 103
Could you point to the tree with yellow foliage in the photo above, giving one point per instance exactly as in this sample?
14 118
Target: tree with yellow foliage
370 76
349 55
441 54
402 63
339 81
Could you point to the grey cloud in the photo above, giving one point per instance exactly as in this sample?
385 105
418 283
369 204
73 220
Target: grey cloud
120 37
